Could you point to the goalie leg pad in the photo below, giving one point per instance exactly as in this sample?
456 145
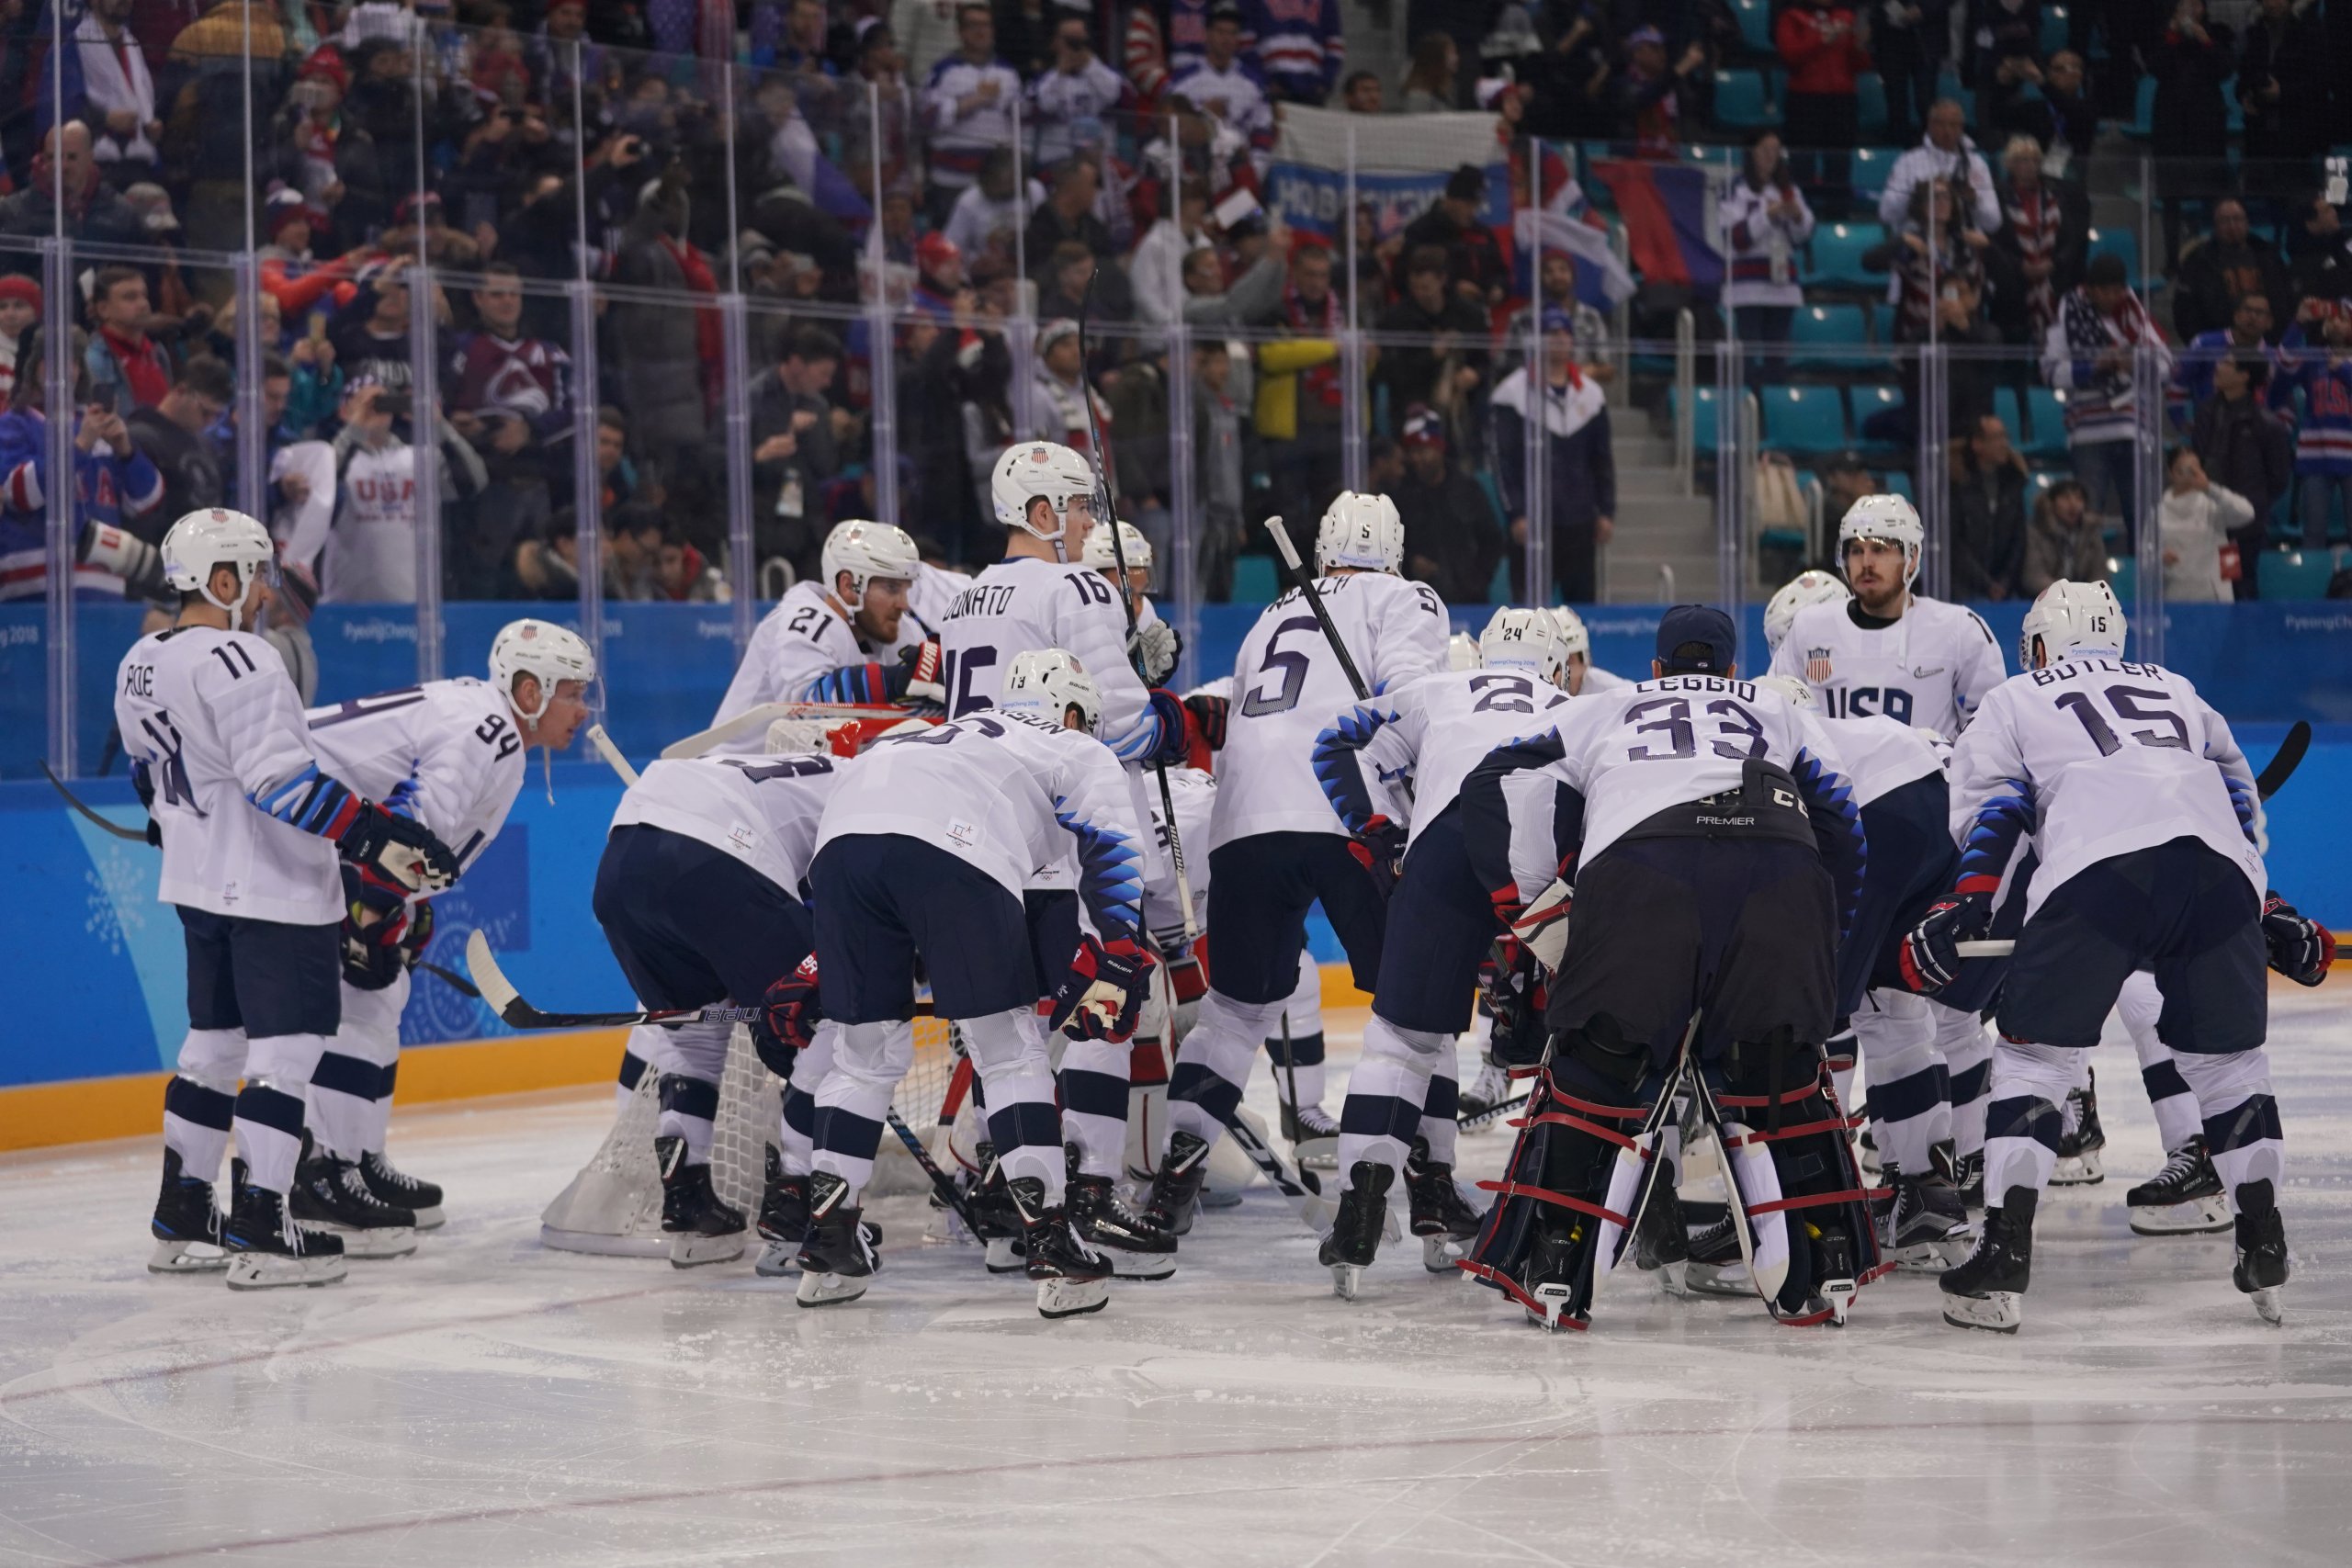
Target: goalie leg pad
1776 1101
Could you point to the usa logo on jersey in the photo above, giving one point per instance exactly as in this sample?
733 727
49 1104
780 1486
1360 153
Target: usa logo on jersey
1817 666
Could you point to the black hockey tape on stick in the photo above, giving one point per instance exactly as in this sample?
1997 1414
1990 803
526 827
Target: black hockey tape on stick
449 977
116 828
1316 1211
1288 554
1128 602
2284 762
957 1202
1469 1121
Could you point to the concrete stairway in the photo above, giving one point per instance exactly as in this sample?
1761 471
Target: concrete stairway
1658 525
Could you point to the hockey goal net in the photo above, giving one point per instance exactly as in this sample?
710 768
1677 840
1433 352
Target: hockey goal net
614 1205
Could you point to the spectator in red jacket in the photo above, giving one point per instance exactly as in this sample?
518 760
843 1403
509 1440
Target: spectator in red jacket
1826 47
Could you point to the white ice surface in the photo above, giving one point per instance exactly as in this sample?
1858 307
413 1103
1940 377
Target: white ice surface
487 1402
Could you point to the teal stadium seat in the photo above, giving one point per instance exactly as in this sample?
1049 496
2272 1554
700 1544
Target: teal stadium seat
1835 257
1869 400
2123 243
1829 337
1741 102
1755 23
1254 580
2047 408
1803 419
1703 417
1867 169
2296 574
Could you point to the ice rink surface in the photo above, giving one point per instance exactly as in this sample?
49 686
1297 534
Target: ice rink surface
488 1402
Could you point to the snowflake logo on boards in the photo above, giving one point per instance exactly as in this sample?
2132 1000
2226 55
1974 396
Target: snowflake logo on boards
117 908
1817 666
438 1011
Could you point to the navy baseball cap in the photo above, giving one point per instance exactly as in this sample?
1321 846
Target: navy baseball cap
1696 639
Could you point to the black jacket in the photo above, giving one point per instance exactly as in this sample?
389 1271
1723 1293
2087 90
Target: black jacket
2247 449
1988 531
1452 541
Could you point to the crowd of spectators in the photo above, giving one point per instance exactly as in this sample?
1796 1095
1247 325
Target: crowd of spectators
1020 165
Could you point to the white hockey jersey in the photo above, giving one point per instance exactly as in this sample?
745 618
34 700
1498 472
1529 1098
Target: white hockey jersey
1665 742
445 754
1880 755
763 810
1407 754
1929 668
1025 603
1006 793
239 795
1597 680
928 598
793 649
2094 758
1288 688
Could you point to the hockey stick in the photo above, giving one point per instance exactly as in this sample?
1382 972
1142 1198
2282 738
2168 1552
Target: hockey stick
957 1204
759 718
1306 586
1316 1211
508 1003
116 828
1128 602
1491 1114
449 977
611 753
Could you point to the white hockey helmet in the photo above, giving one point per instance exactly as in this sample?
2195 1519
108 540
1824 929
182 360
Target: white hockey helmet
1525 639
1039 470
1799 695
1362 533
867 551
1572 631
1461 652
1099 554
213 536
551 652
2069 618
1050 681
1811 586
1888 519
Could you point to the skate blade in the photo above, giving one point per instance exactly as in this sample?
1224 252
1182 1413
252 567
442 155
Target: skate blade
1071 1298
1316 1154
374 1241
2082 1170
1004 1255
1441 1253
1929 1256
1137 1265
1717 1279
2199 1216
270 1271
597 1244
778 1259
2266 1303
186 1257
1551 1310
1995 1312
1346 1281
828 1290
1839 1294
690 1249
429 1219
1674 1279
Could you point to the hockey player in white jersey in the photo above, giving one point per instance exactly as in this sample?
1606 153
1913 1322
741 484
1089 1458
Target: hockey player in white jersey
449 755
1716 858
1584 675
839 640
1275 849
1158 645
250 827
926 857
2140 806
701 894
1403 756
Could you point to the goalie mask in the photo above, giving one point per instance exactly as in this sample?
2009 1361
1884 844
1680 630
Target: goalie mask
1050 681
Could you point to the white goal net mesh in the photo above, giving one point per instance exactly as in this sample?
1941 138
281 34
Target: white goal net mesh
614 1205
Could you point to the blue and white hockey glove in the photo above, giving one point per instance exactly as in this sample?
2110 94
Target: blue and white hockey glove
1930 955
2300 948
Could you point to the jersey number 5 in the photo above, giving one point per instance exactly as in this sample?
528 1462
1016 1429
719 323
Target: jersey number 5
1293 665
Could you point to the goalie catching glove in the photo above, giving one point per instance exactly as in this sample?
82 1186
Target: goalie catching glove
1930 955
2300 948
1102 996
790 1015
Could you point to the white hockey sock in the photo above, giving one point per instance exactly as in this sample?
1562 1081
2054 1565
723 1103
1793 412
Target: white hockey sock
1843 1049
645 1048
1214 1063
1303 1061
351 1092
2030 1083
689 1107
1441 1107
1010 1056
1094 1103
196 1125
1909 1110
270 1107
868 1060
1965 1042
1385 1096
2242 1129
2139 1005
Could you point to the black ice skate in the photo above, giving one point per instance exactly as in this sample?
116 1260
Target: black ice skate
1441 1217
701 1228
837 1258
1137 1248
402 1191
1964 1174
1556 1256
1716 1266
2183 1198
999 1221
1985 1289
333 1193
1925 1229
2261 1266
1662 1242
266 1249
2078 1151
784 1219
1177 1185
1314 1136
1072 1277
1354 1237
186 1225
1485 1098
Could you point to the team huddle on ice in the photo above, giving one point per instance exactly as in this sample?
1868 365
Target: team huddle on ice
1683 906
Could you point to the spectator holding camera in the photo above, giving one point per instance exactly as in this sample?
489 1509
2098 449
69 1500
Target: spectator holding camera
2194 521
370 553
116 488
174 434
1946 155
2246 446
1764 219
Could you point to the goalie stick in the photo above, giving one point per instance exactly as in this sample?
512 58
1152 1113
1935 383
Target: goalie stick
508 1003
611 753
756 720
